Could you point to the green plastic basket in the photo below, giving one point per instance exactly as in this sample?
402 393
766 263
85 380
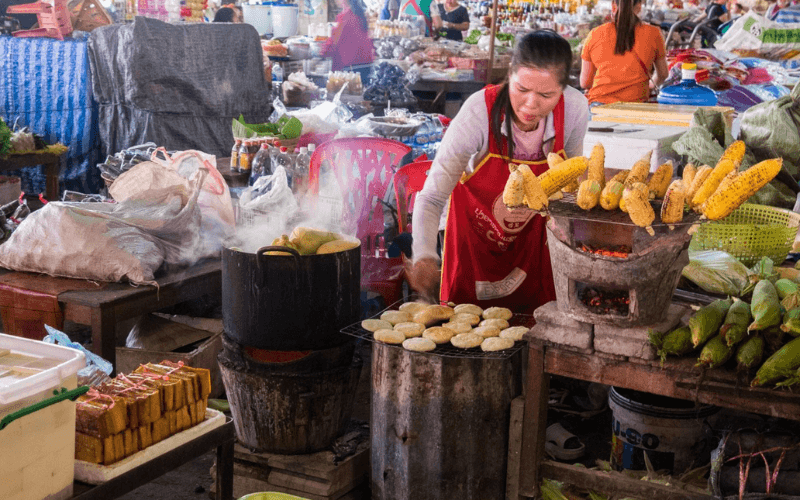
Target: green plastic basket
749 233
270 495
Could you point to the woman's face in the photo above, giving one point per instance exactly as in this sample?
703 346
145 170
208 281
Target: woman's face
534 93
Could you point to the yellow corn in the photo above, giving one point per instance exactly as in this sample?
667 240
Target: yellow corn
639 208
672 207
559 176
535 197
735 153
688 175
611 194
699 178
512 167
588 194
621 176
513 193
722 185
596 168
745 185
554 159
660 180
636 185
723 168
639 170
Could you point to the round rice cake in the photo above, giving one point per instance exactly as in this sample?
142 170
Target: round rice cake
389 336
498 323
433 314
395 317
497 312
514 333
471 319
413 308
468 308
419 344
458 327
496 344
487 331
373 325
439 334
467 340
410 329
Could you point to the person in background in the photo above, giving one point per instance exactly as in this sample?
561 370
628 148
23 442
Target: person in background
619 57
451 18
493 255
390 11
350 46
774 8
228 13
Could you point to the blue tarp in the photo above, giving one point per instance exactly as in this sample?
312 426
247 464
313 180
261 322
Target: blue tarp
45 85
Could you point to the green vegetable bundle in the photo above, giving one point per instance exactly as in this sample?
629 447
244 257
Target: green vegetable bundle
5 138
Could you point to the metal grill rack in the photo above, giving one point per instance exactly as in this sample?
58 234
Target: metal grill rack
566 207
448 350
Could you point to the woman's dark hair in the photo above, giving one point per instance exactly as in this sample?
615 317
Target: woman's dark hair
224 15
542 49
625 21
358 9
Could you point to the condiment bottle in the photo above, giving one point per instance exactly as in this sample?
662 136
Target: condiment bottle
235 155
244 157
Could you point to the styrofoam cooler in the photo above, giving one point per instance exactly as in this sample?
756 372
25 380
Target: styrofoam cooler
284 20
625 143
37 418
259 16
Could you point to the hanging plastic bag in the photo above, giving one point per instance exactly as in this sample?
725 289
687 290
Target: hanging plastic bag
264 211
716 271
97 369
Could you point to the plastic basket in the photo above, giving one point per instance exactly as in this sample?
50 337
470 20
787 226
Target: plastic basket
749 233
269 495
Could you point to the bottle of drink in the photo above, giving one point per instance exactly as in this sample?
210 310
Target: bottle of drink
277 79
244 157
283 160
235 155
300 180
262 165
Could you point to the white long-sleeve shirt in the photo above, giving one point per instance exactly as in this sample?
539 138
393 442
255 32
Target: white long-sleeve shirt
465 145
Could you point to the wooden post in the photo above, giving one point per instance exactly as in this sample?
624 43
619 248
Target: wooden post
492 33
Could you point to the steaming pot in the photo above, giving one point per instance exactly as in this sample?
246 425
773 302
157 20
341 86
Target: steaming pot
290 302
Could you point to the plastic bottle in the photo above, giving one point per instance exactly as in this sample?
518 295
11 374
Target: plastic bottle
277 79
283 160
235 155
262 165
688 92
300 180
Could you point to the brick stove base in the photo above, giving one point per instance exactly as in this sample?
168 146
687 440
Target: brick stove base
552 325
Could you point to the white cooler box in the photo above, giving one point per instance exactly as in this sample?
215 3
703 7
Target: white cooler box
625 143
37 418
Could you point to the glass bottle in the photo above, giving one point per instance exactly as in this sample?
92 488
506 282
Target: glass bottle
234 166
244 157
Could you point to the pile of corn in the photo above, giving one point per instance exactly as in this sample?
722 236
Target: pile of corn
714 192
768 327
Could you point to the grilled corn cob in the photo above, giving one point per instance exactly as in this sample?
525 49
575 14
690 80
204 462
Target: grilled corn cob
712 182
596 168
621 176
535 197
725 201
735 153
628 188
558 177
639 170
554 159
588 194
513 193
660 180
688 174
639 208
672 207
699 178
611 194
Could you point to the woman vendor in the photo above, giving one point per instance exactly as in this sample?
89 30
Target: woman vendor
450 18
350 45
494 255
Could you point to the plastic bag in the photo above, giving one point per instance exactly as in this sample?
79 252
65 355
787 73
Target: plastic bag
753 35
269 204
716 271
97 369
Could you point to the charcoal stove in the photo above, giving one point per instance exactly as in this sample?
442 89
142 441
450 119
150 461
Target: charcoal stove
608 270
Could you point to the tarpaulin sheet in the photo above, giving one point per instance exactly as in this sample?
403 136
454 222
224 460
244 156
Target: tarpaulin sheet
176 85
44 85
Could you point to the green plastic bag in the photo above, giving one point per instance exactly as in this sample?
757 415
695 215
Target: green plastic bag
716 271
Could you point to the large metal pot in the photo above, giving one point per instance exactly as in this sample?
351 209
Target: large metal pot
290 302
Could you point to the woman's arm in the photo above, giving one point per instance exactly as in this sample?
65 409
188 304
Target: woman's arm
662 72
587 74
333 40
457 26
461 15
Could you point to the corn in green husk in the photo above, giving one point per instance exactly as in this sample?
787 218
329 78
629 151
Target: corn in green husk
705 323
782 364
791 322
750 353
791 301
774 338
793 380
764 307
734 328
715 353
675 343
785 287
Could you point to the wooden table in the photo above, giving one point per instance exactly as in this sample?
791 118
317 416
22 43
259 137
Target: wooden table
52 163
234 179
222 438
677 379
103 308
442 87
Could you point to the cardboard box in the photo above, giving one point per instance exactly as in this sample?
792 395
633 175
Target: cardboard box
208 332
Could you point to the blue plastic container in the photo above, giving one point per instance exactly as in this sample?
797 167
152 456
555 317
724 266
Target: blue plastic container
687 92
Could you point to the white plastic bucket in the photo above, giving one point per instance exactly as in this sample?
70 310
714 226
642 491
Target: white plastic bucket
260 16
284 20
669 430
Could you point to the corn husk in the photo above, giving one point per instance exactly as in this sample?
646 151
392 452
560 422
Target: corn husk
785 287
715 353
705 323
764 306
750 353
791 322
734 327
674 343
784 363
791 301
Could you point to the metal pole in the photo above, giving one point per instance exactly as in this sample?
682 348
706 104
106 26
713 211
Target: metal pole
493 33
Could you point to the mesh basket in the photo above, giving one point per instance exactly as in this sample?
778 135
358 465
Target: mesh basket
749 233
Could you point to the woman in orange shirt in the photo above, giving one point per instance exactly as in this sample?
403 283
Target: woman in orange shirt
619 57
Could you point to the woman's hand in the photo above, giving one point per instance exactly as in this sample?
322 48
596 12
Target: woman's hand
424 276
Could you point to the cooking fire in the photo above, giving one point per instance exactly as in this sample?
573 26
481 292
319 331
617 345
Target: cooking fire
605 302
620 251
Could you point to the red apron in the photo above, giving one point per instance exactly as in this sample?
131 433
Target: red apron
494 256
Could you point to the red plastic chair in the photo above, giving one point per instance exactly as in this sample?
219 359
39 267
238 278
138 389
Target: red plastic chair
408 181
364 167
54 20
